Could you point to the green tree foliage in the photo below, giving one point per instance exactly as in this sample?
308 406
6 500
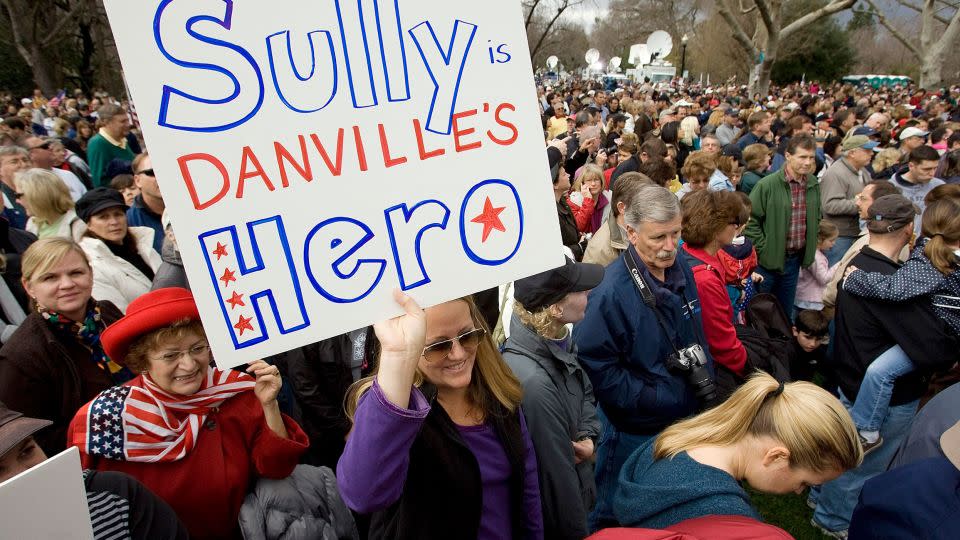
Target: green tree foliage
821 51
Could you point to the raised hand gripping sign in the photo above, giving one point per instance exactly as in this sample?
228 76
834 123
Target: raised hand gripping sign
315 155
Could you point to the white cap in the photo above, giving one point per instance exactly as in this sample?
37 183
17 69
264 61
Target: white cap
912 132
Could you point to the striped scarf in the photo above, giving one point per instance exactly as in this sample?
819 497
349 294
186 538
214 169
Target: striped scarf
141 422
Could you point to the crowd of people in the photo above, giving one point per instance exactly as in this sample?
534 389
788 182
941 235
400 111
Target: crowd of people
758 290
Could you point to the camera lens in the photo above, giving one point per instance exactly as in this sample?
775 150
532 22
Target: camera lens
703 386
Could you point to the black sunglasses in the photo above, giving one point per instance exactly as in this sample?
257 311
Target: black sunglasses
148 172
44 146
439 350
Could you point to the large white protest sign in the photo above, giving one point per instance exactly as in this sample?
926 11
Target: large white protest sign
46 502
315 155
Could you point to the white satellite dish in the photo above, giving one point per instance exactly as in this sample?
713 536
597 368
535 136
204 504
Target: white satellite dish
592 56
639 55
552 62
659 44
615 62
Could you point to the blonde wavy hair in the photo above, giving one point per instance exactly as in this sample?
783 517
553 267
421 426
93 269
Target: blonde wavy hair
542 322
812 424
492 381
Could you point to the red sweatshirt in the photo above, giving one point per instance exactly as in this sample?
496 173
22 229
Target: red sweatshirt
207 487
717 312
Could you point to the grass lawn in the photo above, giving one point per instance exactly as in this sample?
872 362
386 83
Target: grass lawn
789 512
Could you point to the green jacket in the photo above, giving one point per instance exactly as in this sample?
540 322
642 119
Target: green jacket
100 152
770 220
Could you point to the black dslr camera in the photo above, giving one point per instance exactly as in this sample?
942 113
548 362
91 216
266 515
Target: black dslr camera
692 361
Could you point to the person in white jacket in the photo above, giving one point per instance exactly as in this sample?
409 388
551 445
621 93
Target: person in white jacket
123 259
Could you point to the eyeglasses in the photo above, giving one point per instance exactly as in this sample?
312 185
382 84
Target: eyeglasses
197 351
44 146
439 350
148 172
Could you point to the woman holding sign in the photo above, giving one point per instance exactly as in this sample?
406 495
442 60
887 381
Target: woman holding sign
195 435
439 448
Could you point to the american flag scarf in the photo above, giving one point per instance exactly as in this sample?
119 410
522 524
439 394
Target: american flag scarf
141 422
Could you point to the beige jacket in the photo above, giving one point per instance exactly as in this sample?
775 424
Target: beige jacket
606 245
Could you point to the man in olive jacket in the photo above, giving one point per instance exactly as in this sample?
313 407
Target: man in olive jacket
784 221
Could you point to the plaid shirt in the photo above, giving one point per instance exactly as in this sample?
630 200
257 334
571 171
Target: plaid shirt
797 231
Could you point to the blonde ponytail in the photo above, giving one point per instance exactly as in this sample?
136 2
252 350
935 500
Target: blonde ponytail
805 418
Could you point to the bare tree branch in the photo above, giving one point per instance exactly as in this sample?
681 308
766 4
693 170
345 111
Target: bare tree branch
560 9
739 33
56 34
745 10
835 6
533 7
882 19
918 9
765 15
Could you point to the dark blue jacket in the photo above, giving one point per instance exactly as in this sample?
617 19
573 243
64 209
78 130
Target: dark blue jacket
920 500
139 215
623 349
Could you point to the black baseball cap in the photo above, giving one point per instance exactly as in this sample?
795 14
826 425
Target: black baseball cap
547 288
15 427
97 200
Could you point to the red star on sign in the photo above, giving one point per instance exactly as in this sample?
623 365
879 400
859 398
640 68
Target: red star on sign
221 251
236 300
244 324
490 218
228 276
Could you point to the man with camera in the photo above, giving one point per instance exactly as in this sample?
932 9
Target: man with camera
642 343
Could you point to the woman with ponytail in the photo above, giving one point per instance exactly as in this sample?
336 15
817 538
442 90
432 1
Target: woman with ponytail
779 438
930 272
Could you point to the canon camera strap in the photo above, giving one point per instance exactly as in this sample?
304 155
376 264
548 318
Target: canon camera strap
647 295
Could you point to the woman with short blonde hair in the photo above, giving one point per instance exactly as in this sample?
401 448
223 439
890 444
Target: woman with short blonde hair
49 205
779 438
54 362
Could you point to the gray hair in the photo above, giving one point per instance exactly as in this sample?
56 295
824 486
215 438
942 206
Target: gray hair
107 111
7 151
654 204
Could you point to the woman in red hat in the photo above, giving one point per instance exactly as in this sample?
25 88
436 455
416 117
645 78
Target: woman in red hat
195 435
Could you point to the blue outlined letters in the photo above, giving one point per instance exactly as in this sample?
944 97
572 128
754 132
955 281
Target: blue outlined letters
237 73
346 260
406 228
445 66
245 289
228 84
331 257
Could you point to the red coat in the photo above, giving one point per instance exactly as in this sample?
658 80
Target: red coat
717 312
207 487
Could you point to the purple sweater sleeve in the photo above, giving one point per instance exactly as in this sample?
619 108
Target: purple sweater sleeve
373 467
531 487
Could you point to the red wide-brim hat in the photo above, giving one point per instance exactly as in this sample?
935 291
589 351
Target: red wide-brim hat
151 311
